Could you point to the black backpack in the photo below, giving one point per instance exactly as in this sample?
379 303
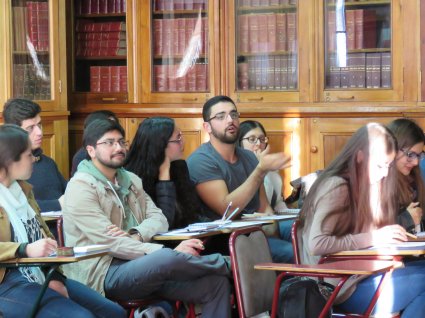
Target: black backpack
301 297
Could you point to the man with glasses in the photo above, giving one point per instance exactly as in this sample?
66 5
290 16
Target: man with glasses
106 204
48 183
224 173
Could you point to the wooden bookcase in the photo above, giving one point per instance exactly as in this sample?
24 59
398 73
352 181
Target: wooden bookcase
311 119
33 66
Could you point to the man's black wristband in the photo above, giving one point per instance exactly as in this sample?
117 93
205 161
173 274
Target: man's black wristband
21 252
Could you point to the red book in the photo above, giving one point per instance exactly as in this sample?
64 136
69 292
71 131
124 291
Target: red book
172 79
159 5
104 44
123 78
178 5
115 79
350 29
271 32
365 24
32 23
253 33
43 26
291 19
190 26
95 79
111 6
198 4
99 36
157 37
181 32
168 5
113 52
191 79
262 33
118 6
167 29
201 77
85 6
204 36
181 83
281 37
123 6
160 78
243 33
94 7
174 37
188 4
105 79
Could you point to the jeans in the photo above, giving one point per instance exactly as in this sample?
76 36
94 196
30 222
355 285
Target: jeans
17 297
173 275
281 248
403 291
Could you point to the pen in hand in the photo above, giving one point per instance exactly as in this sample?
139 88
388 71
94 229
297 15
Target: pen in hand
225 211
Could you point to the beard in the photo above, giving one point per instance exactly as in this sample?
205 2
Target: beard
229 139
111 163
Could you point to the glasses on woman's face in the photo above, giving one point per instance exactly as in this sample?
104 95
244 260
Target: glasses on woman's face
179 139
254 139
411 155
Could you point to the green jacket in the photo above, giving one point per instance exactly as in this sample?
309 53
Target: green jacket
8 248
91 205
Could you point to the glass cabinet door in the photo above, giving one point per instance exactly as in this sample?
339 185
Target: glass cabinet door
180 56
31 50
265 53
359 50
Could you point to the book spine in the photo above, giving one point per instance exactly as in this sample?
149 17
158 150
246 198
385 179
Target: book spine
271 32
157 33
253 33
262 33
123 78
270 73
291 19
350 29
243 33
281 42
386 70
95 79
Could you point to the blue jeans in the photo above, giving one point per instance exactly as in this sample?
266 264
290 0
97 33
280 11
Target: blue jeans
403 291
281 248
17 297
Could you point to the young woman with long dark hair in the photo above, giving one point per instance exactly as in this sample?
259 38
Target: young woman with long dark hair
410 185
156 156
352 205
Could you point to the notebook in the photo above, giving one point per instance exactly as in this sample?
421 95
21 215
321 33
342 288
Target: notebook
203 226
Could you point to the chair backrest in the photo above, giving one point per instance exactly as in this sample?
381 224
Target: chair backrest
254 288
295 245
59 229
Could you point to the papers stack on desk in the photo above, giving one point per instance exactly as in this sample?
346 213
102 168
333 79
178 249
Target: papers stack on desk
91 249
401 246
204 226
52 214
287 211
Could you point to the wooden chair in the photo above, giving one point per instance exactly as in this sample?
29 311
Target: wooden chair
297 260
133 304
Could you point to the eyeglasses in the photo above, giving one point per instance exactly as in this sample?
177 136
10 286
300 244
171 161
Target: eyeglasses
223 115
411 155
254 139
179 139
111 142
30 129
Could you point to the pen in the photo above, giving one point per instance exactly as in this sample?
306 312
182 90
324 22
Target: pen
227 210
411 236
232 214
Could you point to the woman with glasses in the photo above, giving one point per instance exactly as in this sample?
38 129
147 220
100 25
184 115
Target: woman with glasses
156 156
410 185
253 137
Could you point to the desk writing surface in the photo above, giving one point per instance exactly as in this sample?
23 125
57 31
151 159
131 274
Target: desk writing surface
53 259
351 267
400 249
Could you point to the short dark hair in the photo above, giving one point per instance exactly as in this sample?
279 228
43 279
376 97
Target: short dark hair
16 110
99 114
206 109
96 129
248 125
13 142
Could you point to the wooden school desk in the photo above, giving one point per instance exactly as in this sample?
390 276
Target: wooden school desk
340 269
52 263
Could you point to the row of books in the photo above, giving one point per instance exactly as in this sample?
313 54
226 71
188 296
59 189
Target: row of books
168 5
166 80
268 73
173 36
31 82
100 39
268 32
265 3
99 6
363 70
108 79
31 23
360 27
